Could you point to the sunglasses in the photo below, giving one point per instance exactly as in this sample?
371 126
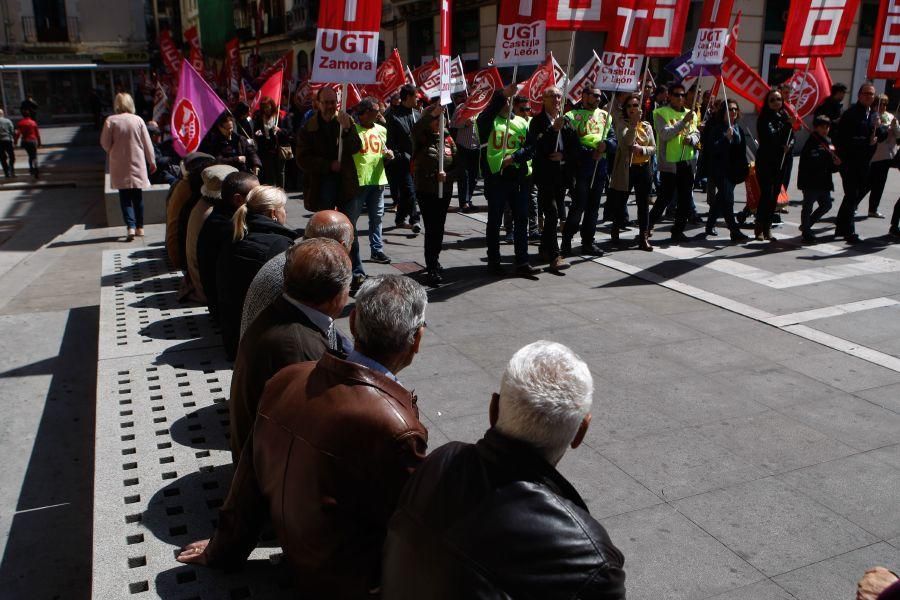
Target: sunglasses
677 94
733 109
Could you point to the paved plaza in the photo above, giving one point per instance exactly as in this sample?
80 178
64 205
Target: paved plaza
745 441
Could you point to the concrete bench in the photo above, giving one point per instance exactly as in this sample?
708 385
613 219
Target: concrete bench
154 204
162 464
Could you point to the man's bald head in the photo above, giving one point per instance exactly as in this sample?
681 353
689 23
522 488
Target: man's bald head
331 224
317 272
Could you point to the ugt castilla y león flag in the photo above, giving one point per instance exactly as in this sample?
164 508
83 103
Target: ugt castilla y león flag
580 15
709 47
195 110
347 41
446 84
818 27
884 62
521 33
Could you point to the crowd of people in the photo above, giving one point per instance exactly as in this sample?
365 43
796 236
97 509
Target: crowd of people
326 440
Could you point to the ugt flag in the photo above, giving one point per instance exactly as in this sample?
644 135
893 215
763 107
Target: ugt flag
347 41
390 77
585 78
195 110
809 87
521 33
483 85
546 75
818 27
584 15
884 62
709 47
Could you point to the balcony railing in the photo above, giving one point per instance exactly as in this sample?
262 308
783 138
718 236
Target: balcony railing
41 30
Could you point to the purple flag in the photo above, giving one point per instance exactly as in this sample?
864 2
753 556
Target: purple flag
683 66
195 110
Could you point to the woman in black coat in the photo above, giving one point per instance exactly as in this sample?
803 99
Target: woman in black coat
229 147
725 148
271 137
775 140
259 234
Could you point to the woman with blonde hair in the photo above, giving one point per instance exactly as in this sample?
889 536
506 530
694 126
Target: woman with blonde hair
887 135
259 234
127 143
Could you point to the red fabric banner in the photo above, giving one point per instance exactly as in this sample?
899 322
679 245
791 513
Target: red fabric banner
521 32
648 27
482 85
580 15
233 64
347 41
741 78
809 87
270 89
716 14
389 78
549 73
428 78
884 62
192 37
818 27
170 53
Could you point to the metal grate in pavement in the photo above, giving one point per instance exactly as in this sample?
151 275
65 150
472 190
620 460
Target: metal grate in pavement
139 308
162 470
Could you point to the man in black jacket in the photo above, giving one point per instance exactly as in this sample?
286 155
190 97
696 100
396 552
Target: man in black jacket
400 120
496 519
855 142
818 162
833 105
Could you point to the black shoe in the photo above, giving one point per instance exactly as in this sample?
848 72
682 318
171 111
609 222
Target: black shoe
356 282
678 236
894 231
496 268
439 268
852 239
696 220
591 250
509 238
565 248
400 224
433 278
381 258
468 208
711 232
416 228
527 269
809 237
739 236
741 217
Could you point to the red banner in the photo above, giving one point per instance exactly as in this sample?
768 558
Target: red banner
347 41
196 55
884 62
668 24
741 78
709 47
282 64
580 15
809 87
270 89
521 32
389 77
170 53
649 27
233 64
482 86
549 73
585 78
428 78
818 27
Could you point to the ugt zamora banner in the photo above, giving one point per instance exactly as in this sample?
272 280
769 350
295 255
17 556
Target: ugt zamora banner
884 62
818 27
521 33
347 41
709 47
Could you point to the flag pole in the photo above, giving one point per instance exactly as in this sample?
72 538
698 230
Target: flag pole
443 149
565 91
725 94
790 135
343 109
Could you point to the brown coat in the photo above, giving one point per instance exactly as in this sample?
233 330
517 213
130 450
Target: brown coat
179 196
334 443
317 146
281 335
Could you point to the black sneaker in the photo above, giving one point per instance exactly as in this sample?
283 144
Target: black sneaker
678 236
809 237
739 236
527 269
433 278
496 268
894 231
711 232
591 250
853 239
380 258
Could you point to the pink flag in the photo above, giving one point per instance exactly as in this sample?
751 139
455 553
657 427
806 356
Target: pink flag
195 110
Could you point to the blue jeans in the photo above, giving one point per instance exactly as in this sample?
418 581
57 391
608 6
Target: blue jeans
132 203
585 207
808 216
516 193
371 196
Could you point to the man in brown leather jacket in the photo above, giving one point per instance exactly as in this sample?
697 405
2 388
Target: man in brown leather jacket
333 444
296 327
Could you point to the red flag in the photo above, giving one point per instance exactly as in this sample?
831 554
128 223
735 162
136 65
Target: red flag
884 62
549 73
347 41
735 32
428 78
389 77
741 78
818 27
668 24
482 85
809 87
709 47
521 32
586 77
353 95
233 64
170 53
649 27
270 89
196 55
580 15
279 65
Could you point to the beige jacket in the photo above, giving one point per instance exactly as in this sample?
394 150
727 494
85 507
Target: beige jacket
127 143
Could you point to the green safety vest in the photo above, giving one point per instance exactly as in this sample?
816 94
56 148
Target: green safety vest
592 126
675 149
369 160
518 129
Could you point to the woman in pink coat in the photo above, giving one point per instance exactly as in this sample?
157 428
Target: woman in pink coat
127 142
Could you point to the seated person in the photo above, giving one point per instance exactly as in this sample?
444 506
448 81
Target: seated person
297 327
259 234
182 198
210 194
217 229
496 519
333 444
167 169
267 284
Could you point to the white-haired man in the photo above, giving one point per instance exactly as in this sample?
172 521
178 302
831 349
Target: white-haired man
496 519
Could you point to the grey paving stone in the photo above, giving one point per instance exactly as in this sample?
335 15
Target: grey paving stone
668 556
438 360
774 441
860 488
836 578
887 396
679 463
770 343
451 396
620 414
763 590
888 455
776 386
773 527
845 372
610 309
469 429
855 422
866 327
605 488
711 355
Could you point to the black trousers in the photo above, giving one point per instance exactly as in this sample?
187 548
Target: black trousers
31 150
721 202
405 199
549 199
855 179
8 158
679 185
466 173
770 181
639 181
585 208
434 217
878 175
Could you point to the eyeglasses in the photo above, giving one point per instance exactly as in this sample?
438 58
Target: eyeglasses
733 109
677 94
526 108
